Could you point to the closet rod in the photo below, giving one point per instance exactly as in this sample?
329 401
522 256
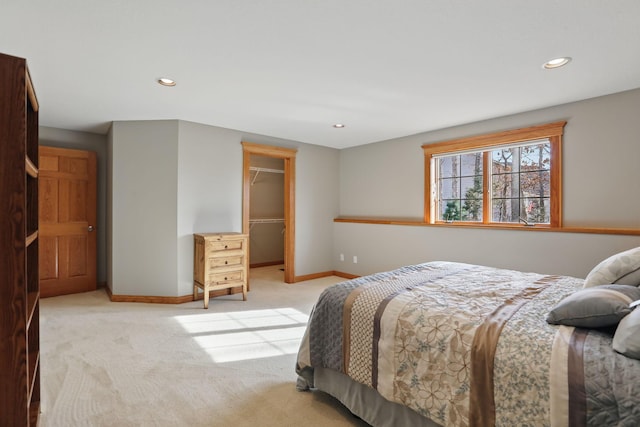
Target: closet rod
257 169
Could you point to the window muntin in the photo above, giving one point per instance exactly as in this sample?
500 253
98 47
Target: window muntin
507 177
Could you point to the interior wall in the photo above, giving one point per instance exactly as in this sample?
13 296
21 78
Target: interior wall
143 213
170 179
317 190
601 149
61 138
209 189
385 247
316 202
267 202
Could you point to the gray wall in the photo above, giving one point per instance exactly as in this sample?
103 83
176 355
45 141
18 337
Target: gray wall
143 213
600 177
317 187
169 179
209 189
317 190
160 181
53 137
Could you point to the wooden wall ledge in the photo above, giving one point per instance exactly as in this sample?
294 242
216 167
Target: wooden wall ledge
418 223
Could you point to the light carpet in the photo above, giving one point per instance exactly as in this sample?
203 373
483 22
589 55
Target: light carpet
133 364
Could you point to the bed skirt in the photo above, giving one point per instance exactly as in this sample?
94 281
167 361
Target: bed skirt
366 403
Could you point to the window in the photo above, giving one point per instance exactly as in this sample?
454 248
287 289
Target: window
509 177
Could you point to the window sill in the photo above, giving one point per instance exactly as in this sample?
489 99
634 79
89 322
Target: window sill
518 227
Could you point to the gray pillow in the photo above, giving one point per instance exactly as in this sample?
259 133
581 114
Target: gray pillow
595 307
623 267
626 340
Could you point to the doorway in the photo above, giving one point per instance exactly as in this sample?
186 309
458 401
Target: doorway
288 157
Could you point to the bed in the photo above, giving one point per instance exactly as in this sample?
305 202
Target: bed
454 344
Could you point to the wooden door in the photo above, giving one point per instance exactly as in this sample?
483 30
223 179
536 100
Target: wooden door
67 198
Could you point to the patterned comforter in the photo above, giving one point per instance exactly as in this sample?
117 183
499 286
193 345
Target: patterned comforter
468 345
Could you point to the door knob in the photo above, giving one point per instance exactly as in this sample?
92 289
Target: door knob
90 228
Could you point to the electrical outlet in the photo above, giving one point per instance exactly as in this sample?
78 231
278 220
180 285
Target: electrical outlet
355 259
341 257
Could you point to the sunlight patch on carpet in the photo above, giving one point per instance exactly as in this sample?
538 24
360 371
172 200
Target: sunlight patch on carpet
245 335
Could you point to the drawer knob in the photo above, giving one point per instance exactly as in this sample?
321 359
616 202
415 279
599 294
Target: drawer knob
225 278
226 262
226 247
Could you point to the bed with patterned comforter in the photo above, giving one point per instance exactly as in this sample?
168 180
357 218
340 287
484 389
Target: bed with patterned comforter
468 345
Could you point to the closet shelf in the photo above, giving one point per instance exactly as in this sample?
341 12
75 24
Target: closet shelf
265 220
255 221
257 170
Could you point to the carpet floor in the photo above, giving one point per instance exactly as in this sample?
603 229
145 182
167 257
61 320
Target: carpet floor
134 364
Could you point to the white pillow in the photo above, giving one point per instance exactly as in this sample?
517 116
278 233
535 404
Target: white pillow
626 340
631 279
620 268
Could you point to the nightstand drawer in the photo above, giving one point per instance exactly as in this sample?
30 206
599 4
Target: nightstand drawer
214 246
225 261
222 278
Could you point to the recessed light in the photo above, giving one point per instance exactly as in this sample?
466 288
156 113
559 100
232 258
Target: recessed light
338 126
166 82
556 63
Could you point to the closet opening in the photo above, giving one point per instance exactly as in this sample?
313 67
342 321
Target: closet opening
268 211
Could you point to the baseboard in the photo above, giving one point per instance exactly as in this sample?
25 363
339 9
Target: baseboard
170 300
213 294
345 275
324 274
152 299
312 276
266 264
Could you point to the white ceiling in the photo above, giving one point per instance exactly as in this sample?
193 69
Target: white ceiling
293 68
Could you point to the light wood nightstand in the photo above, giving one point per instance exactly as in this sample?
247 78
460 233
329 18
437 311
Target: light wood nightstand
219 262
